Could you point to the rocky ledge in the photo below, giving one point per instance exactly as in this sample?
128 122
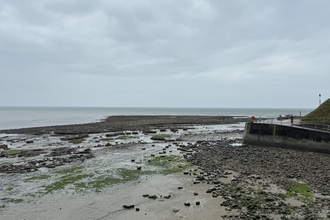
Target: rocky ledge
57 157
122 123
258 170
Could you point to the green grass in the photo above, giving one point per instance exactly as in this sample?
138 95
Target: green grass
160 137
322 113
300 191
10 152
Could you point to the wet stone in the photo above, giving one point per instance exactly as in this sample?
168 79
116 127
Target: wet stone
128 206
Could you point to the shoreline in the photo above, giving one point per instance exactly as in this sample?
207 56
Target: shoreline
57 173
128 122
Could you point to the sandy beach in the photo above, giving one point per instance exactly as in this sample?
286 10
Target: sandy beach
157 167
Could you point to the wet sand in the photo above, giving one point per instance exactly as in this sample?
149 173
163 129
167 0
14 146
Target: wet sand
22 199
27 180
108 204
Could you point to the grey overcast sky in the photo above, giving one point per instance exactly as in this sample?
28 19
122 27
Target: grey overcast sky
164 53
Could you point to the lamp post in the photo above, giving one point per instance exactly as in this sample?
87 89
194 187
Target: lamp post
319 99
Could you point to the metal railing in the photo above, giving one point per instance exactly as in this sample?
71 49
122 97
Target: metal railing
320 123
278 120
317 123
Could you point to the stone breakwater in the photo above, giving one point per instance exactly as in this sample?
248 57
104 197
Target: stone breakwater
259 169
122 123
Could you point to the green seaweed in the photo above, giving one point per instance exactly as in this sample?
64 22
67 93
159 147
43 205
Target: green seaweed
10 152
170 164
41 177
160 137
66 180
97 180
300 191
15 201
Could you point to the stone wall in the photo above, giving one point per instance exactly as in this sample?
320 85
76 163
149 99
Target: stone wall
286 137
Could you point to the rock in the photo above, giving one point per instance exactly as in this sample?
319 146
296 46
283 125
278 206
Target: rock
128 206
4 146
198 203
187 203
227 172
209 190
176 210
153 197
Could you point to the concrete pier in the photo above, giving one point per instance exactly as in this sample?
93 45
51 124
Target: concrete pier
286 136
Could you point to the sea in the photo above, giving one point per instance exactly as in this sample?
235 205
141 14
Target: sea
23 117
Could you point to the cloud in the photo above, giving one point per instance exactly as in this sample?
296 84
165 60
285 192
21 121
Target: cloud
187 44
